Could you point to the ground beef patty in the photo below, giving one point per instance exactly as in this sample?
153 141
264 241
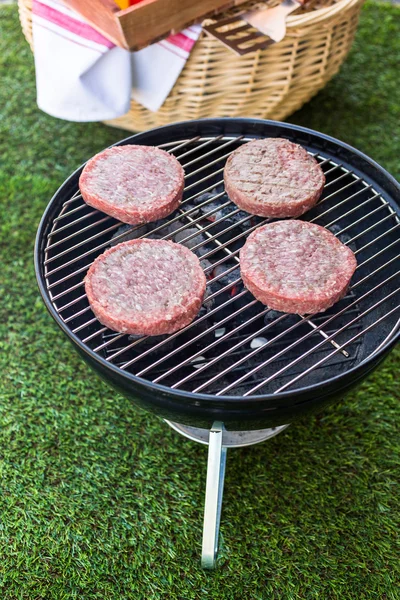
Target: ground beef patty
146 287
273 178
135 184
296 267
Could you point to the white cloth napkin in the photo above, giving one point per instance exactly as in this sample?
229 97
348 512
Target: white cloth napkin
82 76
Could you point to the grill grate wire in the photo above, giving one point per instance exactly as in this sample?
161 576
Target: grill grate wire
75 237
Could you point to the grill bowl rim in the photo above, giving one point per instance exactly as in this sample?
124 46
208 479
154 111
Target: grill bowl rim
216 127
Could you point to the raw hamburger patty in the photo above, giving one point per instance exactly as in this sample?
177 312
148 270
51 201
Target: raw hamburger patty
146 287
296 267
135 184
273 178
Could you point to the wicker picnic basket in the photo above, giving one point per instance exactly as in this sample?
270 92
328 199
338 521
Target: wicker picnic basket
270 83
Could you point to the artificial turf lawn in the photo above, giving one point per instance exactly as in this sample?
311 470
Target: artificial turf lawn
100 500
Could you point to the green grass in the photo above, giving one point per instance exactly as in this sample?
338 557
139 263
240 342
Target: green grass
102 501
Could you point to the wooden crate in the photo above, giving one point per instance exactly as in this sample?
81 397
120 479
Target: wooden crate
147 21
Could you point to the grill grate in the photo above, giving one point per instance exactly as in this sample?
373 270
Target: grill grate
236 346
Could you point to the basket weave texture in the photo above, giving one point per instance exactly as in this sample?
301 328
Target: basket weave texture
270 83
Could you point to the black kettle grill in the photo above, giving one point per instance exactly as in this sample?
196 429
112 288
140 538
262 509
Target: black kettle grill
240 372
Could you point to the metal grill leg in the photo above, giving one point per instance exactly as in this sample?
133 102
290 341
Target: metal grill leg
214 491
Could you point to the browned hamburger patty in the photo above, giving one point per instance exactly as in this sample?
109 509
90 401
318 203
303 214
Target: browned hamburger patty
146 287
296 267
135 184
273 178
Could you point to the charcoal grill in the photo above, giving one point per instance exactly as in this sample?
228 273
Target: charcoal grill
240 372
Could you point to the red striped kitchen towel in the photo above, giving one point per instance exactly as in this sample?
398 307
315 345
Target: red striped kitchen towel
156 68
82 76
